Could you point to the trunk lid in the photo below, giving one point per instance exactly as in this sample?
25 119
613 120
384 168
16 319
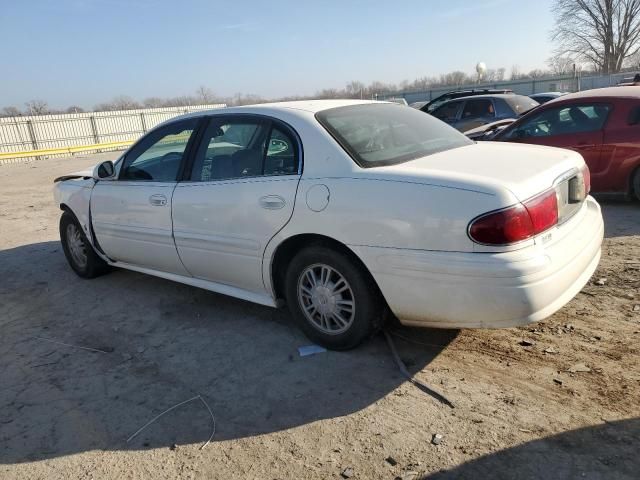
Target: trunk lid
489 167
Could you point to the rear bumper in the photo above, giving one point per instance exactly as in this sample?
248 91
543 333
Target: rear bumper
490 290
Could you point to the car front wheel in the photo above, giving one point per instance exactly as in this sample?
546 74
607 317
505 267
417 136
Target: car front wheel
79 252
332 299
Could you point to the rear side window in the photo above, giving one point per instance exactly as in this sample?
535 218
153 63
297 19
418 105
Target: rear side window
244 147
385 134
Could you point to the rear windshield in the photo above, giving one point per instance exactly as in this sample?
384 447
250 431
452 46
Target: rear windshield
375 135
521 104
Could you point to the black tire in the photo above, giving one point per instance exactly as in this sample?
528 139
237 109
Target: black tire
635 184
94 266
369 308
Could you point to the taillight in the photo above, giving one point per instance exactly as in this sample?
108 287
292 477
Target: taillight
586 175
516 223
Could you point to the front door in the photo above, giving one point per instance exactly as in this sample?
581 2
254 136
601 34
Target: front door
131 215
239 194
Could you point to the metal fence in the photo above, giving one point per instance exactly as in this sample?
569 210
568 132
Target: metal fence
522 87
37 136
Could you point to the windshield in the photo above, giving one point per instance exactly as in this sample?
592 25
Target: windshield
385 134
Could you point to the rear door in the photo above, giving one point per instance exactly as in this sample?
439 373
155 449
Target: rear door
131 215
239 193
579 127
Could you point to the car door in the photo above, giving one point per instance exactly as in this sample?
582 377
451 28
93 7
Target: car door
476 112
239 193
579 127
131 215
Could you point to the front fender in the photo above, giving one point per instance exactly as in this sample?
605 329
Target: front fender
75 196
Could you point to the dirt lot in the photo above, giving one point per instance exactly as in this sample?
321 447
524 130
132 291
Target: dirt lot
519 411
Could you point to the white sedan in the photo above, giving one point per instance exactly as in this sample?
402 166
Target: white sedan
345 211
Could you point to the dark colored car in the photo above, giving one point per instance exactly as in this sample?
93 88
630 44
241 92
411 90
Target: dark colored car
430 106
546 96
471 112
603 125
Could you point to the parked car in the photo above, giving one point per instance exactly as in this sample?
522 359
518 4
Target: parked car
546 96
344 210
603 125
398 100
630 81
471 112
488 131
418 105
430 106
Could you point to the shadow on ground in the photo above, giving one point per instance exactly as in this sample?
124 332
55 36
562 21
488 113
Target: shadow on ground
164 344
607 451
621 217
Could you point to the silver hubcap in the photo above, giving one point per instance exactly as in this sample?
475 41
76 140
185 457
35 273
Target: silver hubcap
326 299
76 246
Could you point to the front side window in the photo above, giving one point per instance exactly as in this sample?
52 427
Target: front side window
384 134
158 156
563 120
447 112
237 148
478 108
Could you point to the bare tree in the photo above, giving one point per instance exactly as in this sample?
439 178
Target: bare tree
153 102
121 102
10 112
602 32
37 107
561 65
74 109
205 95
355 89
515 72
537 73
456 78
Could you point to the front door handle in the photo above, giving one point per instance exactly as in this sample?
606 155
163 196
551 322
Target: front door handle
272 202
158 200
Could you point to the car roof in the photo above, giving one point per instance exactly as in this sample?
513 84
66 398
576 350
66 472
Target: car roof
304 107
490 95
473 90
311 106
545 94
609 92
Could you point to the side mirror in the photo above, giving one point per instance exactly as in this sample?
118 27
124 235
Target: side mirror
104 170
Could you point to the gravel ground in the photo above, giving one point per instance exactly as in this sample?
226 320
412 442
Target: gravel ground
557 399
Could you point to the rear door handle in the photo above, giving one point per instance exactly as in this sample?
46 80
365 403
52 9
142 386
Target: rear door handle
272 202
158 200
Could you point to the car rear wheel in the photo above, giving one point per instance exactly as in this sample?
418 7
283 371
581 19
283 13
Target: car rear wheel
334 302
79 252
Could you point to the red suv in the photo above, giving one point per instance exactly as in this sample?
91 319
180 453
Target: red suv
603 125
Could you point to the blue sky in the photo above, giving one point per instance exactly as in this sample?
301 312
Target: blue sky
86 51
